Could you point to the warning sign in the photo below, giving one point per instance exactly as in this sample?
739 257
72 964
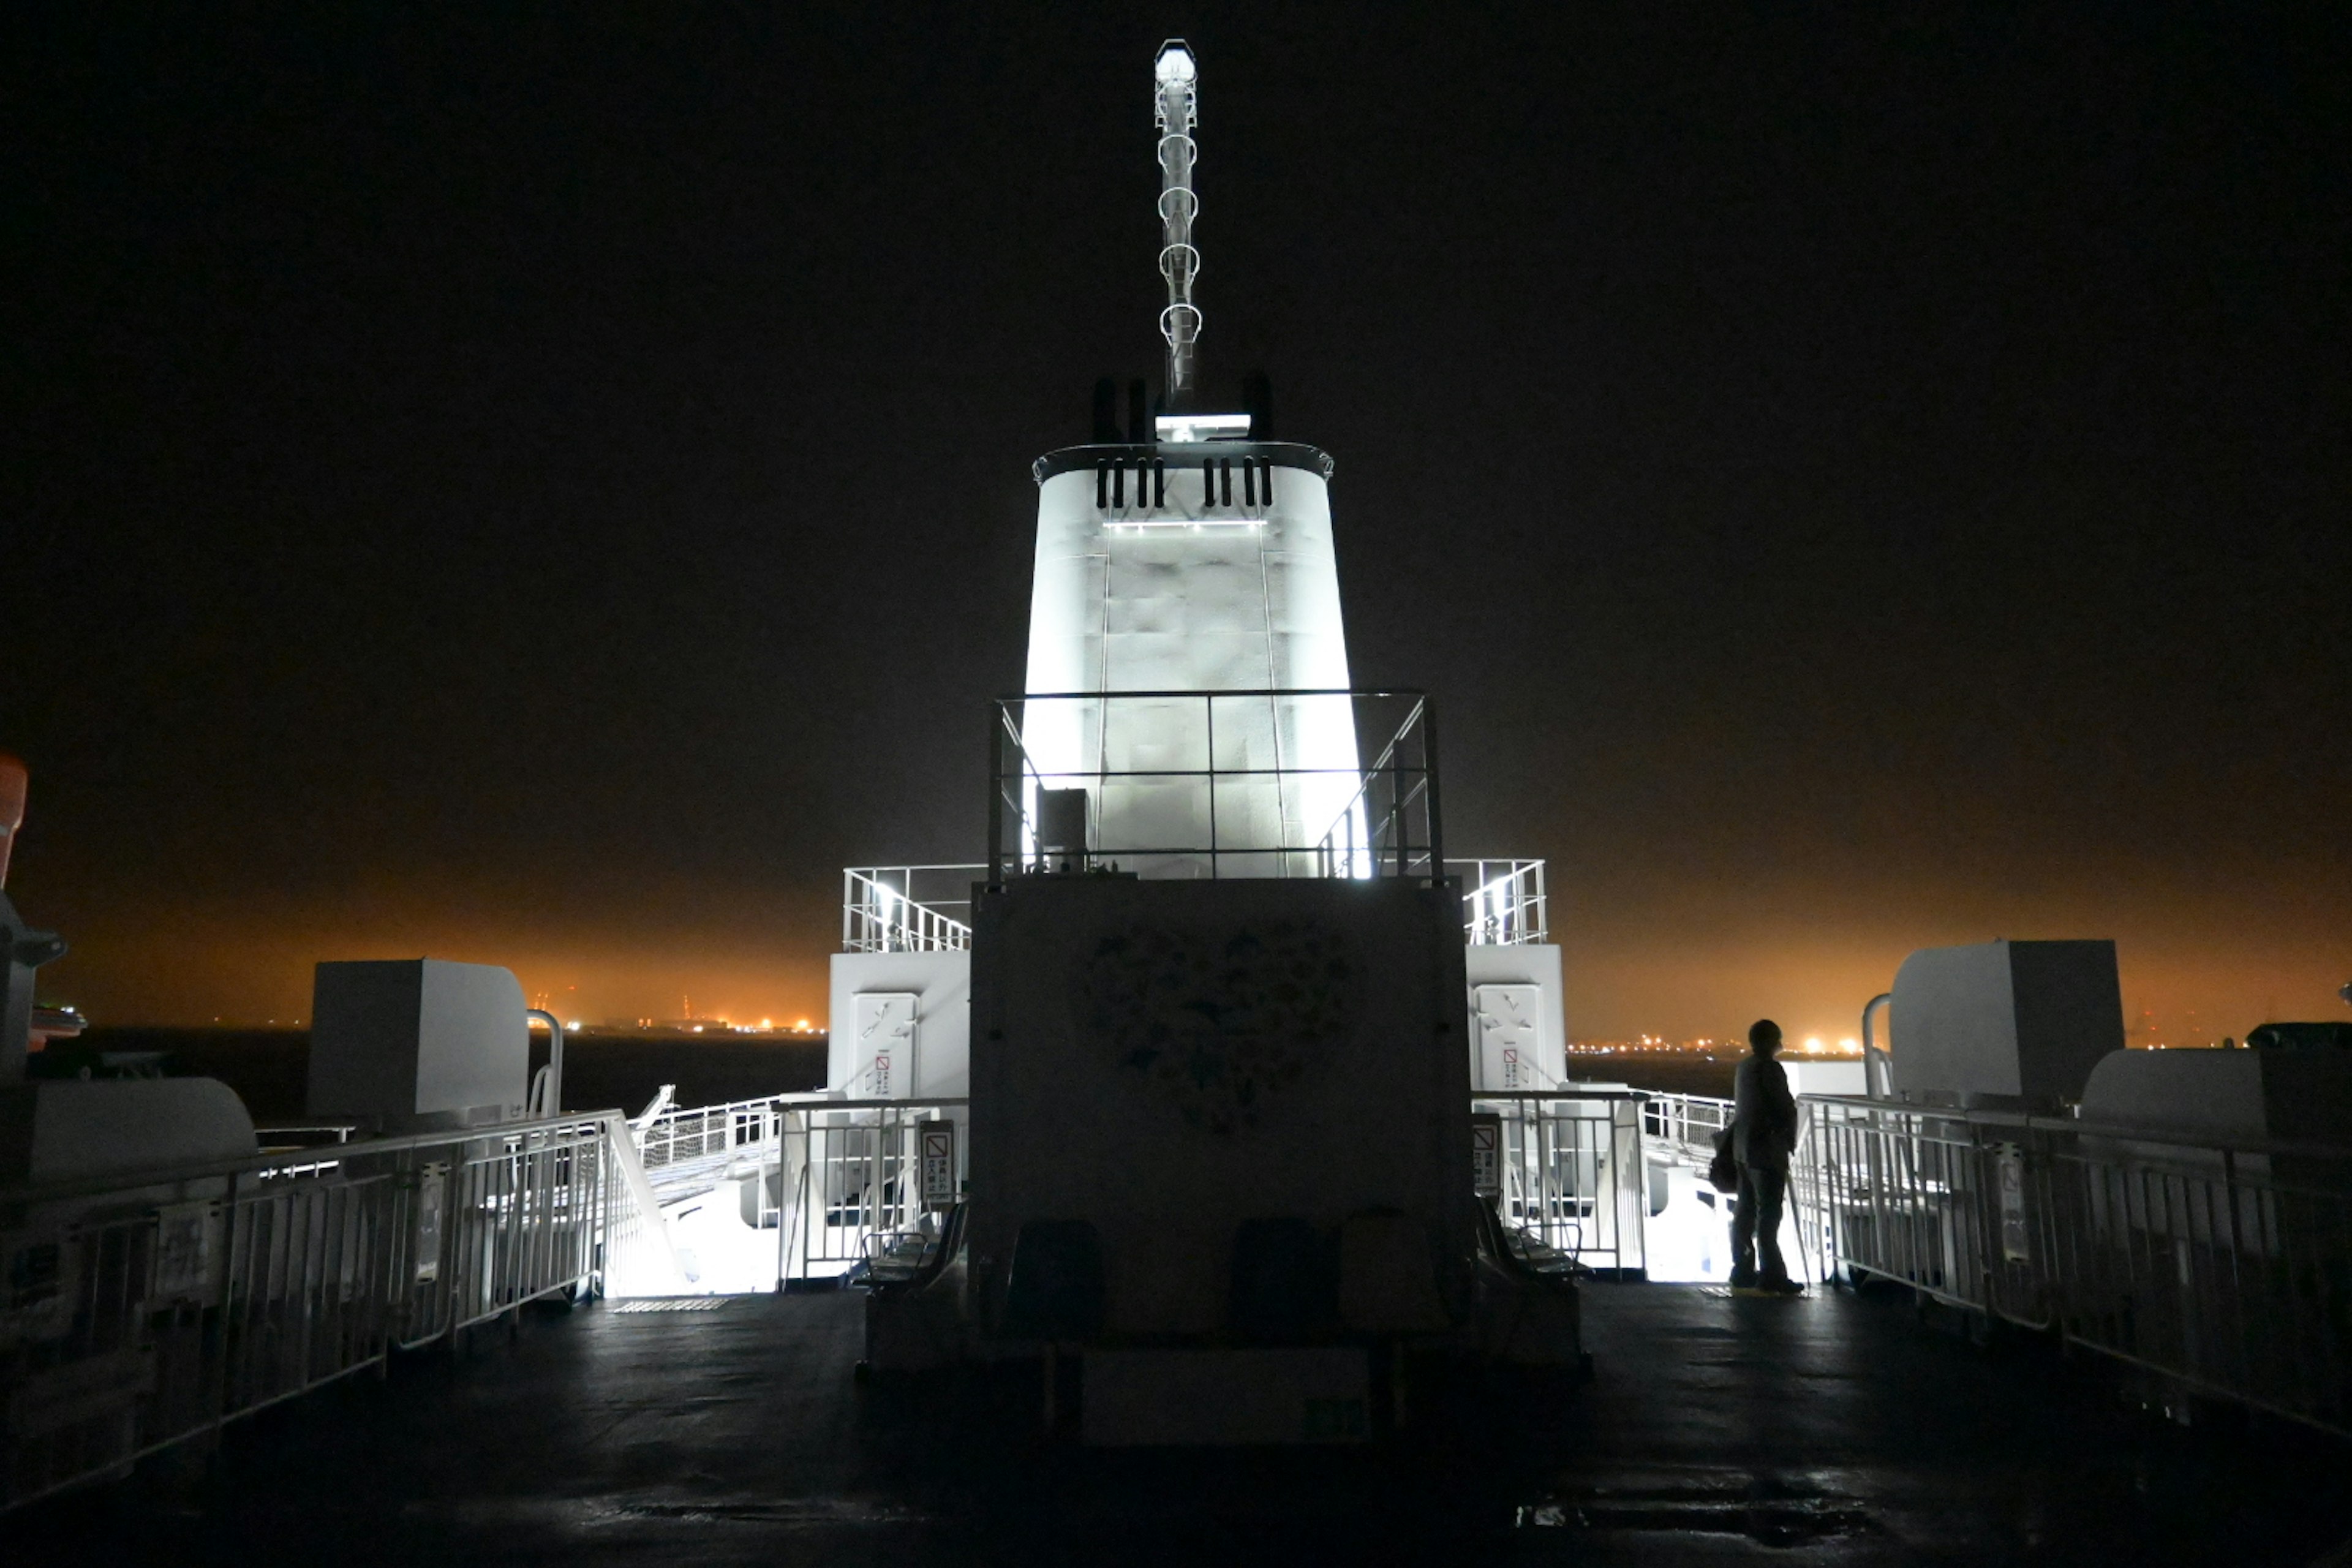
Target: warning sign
939 1186
2014 1246
1487 1155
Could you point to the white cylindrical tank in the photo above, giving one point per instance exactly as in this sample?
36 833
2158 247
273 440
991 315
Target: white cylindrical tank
1201 566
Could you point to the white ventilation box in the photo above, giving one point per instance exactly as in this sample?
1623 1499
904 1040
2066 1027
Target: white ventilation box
402 1041
2025 1020
2225 1096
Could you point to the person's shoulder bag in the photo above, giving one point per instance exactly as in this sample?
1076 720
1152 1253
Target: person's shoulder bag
1723 1171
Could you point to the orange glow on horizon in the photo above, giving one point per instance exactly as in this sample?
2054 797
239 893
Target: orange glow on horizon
1675 976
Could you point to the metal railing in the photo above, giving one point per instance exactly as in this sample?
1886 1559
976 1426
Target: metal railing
837 1178
2225 1270
1216 783
850 1189
1683 1125
1503 901
1574 1173
147 1311
685 1151
904 909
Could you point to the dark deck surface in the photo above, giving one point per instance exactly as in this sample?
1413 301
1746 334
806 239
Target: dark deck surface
1833 1429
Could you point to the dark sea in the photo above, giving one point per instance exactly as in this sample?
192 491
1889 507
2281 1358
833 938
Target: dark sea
601 1071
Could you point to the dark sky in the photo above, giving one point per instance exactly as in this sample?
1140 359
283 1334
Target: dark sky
552 488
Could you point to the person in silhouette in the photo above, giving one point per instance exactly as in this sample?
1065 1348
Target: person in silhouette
1763 1137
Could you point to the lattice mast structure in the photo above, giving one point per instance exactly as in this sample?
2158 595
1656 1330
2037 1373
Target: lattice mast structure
1176 106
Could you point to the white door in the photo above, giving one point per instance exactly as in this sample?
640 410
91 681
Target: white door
886 1046
1510 1037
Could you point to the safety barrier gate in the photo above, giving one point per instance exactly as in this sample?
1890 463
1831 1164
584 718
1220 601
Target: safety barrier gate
139 1313
1572 1172
837 1180
2223 1270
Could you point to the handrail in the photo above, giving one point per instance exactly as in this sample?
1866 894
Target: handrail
2130 1131
2153 1246
1278 837
1877 1066
878 916
550 1102
168 1175
242 1282
1593 1091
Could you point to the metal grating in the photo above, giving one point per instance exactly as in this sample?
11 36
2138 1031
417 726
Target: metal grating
671 1304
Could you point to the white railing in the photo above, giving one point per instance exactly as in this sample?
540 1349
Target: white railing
1503 901
1574 1173
138 1312
687 1151
836 1179
850 1186
903 908
1682 1126
2218 1269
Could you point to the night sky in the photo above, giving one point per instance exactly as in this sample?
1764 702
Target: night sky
551 489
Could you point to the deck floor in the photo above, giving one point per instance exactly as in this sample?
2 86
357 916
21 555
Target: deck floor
1835 1429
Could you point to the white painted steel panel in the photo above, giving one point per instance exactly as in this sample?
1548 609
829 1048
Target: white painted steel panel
1192 596
883 1036
1531 963
408 1037
1510 1038
941 984
2010 1018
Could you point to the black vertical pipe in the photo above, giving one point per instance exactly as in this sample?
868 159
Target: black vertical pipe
1106 412
1138 418
1257 402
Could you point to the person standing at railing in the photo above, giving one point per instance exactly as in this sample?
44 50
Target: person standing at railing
1763 1138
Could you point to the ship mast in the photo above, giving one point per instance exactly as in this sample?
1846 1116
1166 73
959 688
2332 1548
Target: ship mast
1174 103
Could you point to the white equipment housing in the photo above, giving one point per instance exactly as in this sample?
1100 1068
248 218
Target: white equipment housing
72 1130
2008 1020
418 1042
2220 1095
1192 567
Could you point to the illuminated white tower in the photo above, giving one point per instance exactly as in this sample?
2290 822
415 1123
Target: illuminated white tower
1192 558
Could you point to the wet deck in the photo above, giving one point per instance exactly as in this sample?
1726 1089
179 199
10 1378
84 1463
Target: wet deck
1835 1429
